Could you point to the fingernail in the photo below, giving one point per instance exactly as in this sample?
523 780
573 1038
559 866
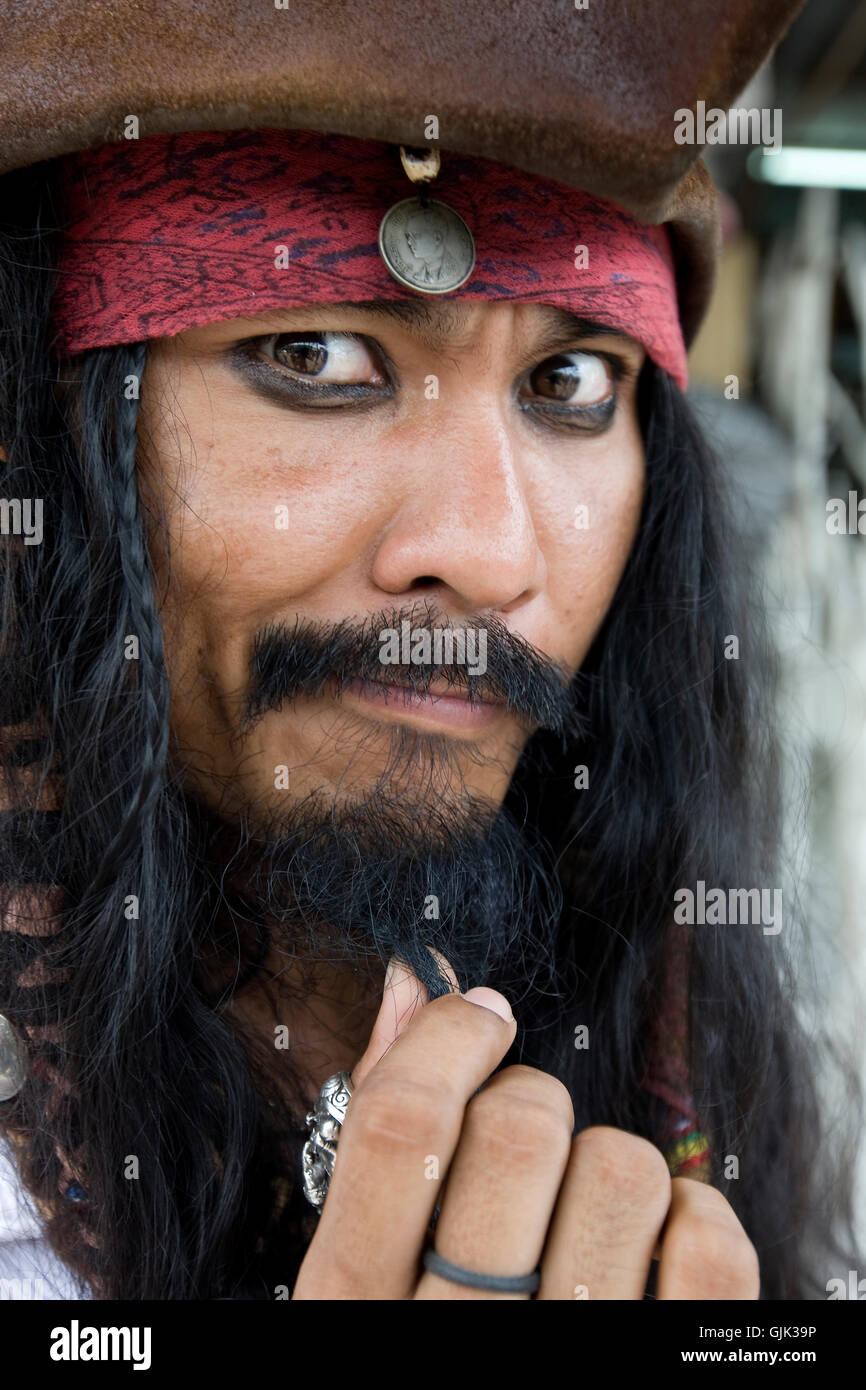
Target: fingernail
490 999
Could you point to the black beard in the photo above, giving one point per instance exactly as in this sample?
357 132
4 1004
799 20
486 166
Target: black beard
358 884
417 861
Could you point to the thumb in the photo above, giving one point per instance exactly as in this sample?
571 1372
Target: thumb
403 994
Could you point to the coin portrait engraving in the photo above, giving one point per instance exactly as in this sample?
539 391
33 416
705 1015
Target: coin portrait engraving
430 248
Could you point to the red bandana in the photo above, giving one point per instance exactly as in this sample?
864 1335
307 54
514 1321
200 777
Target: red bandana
175 231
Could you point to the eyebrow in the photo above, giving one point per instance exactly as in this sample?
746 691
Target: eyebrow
435 324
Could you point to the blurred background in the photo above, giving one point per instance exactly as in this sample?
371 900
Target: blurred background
778 376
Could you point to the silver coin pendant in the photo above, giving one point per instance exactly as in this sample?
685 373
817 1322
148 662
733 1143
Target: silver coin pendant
427 247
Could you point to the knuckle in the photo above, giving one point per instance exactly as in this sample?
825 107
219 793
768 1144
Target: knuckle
710 1238
539 1091
628 1173
525 1110
473 1020
631 1165
717 1252
395 1112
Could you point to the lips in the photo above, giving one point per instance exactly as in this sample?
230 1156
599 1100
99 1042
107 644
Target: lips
440 703
436 691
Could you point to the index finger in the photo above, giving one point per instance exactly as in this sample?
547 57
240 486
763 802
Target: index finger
400 1133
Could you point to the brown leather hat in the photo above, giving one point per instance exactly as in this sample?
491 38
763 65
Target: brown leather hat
585 96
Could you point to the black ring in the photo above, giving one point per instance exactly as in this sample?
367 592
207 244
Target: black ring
434 1263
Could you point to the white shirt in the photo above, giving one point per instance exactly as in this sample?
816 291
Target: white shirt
29 1267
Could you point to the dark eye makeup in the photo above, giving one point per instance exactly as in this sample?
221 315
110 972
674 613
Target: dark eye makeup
287 369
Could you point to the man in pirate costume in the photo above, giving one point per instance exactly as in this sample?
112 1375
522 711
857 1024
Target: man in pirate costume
339 346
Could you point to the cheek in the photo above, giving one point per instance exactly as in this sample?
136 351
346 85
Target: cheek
261 518
251 520
592 531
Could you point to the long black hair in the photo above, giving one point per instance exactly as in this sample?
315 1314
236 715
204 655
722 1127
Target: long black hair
146 1131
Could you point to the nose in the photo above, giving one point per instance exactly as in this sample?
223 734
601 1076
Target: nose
463 520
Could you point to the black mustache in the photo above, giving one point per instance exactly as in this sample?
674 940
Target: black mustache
288 661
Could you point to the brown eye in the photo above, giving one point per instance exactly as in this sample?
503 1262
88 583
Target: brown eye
335 358
574 378
307 355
